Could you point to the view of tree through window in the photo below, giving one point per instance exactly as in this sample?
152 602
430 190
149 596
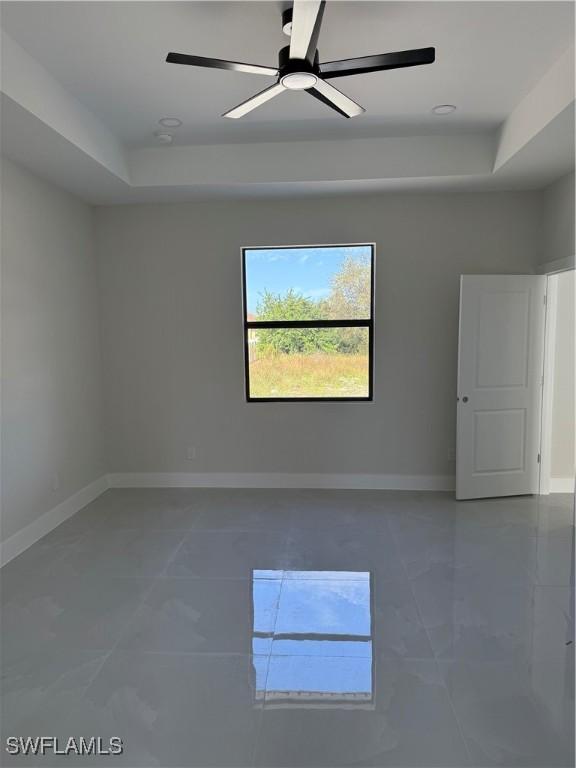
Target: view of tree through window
308 322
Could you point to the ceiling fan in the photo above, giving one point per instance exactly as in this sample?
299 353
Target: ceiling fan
298 66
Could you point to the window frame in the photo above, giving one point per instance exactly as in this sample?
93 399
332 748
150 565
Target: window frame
255 324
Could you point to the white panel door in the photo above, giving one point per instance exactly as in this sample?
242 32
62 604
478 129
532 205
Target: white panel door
500 366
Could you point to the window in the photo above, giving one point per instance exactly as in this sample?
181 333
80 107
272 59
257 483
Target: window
308 322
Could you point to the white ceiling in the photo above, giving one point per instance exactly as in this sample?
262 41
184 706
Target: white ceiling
110 56
84 84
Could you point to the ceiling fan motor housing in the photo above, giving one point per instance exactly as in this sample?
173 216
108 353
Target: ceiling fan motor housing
297 74
286 65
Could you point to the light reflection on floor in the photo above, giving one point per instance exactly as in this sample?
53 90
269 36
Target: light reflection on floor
321 639
391 630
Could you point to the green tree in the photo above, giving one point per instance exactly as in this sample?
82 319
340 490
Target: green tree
350 290
349 298
292 306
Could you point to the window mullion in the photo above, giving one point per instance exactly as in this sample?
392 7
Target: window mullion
255 325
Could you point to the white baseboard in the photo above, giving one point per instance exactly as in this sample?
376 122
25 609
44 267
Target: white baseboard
280 480
561 485
29 535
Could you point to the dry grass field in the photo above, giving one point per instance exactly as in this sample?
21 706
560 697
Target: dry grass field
322 375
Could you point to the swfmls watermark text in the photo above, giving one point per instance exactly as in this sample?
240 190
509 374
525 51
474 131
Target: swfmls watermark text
74 745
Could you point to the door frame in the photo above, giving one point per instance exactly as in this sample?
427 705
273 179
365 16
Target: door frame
545 485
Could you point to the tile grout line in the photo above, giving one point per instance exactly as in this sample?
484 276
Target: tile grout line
106 656
69 549
122 631
268 660
159 576
444 685
255 751
289 539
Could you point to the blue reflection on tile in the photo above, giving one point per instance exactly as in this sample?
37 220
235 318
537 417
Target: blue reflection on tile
260 672
265 596
319 681
324 575
321 642
325 608
350 649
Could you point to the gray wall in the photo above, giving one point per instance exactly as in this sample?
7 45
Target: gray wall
172 335
51 391
558 229
563 422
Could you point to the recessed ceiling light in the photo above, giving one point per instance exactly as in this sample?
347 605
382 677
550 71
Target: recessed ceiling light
444 109
170 122
163 137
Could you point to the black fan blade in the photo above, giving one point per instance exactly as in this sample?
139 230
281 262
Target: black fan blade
336 99
377 63
255 101
306 21
235 66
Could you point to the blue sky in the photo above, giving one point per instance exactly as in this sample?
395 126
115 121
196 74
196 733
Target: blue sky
306 270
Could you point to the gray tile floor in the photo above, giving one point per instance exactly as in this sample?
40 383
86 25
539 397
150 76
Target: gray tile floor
296 628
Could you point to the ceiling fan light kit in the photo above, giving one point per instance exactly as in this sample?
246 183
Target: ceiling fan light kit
299 68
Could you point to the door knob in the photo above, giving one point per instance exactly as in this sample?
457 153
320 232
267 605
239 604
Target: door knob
464 399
